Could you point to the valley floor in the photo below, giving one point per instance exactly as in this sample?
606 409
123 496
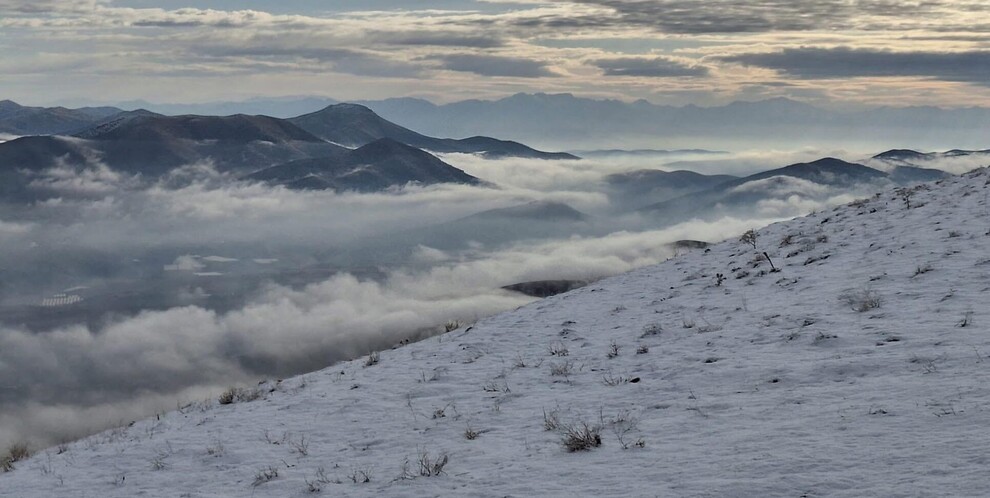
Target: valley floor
861 368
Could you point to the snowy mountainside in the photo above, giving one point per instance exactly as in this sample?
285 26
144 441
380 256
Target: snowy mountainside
859 369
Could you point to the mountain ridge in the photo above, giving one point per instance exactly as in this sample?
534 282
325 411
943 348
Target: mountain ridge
376 166
16 119
354 125
828 172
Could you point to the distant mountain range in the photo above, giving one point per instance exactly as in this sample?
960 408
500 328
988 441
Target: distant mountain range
561 119
898 158
19 120
342 147
350 147
350 125
571 122
279 107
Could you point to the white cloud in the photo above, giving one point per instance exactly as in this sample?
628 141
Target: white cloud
136 50
781 186
186 262
8 227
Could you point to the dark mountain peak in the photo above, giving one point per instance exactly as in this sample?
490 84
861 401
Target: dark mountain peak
494 148
24 120
139 112
344 112
354 125
346 107
386 147
827 171
535 210
380 165
9 106
901 154
831 162
146 126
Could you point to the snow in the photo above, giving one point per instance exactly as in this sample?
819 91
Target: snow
859 369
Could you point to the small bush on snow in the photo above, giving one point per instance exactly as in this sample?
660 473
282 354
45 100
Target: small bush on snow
561 369
15 453
551 420
237 394
431 467
862 300
372 359
582 437
264 475
613 350
652 329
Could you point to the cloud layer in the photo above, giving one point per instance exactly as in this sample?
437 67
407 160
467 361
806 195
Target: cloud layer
846 62
669 51
299 299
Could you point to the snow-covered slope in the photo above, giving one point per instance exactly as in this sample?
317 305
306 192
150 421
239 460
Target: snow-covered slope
861 368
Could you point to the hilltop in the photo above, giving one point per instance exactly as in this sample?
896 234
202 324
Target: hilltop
854 364
354 125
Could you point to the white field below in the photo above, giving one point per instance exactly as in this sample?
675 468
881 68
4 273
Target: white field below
769 384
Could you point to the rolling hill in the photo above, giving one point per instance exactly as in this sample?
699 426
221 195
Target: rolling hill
257 147
16 119
375 154
852 365
913 165
774 190
650 186
354 125
376 166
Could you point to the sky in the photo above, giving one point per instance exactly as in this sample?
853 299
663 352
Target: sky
705 52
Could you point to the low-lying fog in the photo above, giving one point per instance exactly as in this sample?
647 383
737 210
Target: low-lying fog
197 283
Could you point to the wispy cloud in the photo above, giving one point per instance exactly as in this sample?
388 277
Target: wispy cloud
654 67
495 65
847 62
667 51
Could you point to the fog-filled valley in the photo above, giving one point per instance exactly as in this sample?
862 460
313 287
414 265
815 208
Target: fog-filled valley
132 282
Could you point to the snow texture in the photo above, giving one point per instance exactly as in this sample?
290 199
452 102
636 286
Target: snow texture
859 369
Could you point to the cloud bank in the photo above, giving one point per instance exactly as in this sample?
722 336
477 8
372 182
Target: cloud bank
233 283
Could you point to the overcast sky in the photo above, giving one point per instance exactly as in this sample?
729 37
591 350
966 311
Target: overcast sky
844 52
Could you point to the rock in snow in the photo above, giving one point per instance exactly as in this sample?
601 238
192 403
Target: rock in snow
859 369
